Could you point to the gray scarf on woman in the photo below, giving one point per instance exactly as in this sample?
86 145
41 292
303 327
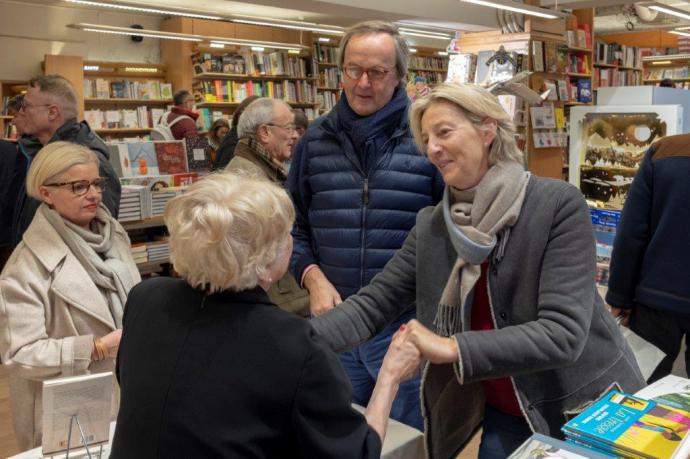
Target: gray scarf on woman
474 218
99 255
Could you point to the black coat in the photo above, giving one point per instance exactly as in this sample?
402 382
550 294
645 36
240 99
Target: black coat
10 183
226 149
229 375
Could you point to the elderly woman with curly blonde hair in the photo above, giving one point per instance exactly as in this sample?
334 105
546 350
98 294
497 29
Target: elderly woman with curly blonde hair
502 274
209 367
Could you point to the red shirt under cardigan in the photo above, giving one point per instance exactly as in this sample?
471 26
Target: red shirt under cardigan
499 393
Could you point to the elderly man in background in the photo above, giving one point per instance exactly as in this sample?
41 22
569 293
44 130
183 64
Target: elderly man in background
358 181
49 114
182 117
267 135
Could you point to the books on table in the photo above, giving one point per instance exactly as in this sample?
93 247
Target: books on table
541 446
628 426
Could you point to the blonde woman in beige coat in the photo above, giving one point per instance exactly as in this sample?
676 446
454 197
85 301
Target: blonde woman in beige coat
63 289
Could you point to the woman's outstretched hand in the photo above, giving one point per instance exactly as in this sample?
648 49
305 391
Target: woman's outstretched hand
402 358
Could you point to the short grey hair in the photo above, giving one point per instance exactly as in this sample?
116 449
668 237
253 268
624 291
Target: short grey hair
477 104
52 161
61 90
257 113
227 230
402 50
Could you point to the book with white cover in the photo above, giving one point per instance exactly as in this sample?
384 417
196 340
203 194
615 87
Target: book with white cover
86 398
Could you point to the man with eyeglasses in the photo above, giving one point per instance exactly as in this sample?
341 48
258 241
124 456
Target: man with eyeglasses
267 134
357 181
49 113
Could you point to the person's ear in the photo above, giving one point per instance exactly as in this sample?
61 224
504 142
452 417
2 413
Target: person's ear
263 134
46 196
489 133
53 112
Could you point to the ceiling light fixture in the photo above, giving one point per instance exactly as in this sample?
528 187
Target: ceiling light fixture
122 6
413 50
669 10
256 44
287 24
136 32
91 68
519 8
663 62
425 33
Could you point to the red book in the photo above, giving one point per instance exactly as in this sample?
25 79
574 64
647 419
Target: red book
172 157
185 179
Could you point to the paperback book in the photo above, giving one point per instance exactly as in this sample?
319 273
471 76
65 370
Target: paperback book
630 427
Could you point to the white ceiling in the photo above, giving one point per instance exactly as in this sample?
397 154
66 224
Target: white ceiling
612 15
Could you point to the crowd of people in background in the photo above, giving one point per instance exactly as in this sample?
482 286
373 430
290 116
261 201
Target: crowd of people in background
328 263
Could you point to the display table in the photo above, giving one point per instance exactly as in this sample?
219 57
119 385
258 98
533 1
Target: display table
402 442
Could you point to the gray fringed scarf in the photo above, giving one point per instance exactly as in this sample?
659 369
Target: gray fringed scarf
473 219
99 256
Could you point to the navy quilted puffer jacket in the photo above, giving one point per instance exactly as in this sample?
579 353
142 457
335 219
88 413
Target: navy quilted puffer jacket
357 184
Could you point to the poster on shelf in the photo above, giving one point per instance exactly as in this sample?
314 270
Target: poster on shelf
607 144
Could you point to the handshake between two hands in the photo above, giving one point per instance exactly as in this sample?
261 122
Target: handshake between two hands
412 342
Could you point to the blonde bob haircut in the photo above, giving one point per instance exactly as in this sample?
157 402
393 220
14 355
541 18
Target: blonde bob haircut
478 105
227 229
52 161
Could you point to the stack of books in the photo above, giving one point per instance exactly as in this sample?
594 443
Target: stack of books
131 203
139 253
628 426
159 199
158 250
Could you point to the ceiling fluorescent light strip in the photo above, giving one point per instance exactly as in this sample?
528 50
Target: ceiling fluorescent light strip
678 32
271 45
670 10
140 9
519 8
139 34
286 24
662 62
447 36
425 35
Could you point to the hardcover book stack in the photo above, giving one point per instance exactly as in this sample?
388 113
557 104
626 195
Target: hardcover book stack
158 250
628 426
160 197
139 253
132 202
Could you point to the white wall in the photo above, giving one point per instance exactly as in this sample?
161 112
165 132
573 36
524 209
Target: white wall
29 31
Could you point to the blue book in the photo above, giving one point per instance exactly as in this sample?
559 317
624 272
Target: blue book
630 426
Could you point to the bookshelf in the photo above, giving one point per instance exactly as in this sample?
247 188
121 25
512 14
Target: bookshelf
8 89
428 64
222 79
673 67
616 65
124 99
330 79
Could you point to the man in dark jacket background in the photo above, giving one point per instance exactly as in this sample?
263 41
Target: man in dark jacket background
358 181
651 254
50 111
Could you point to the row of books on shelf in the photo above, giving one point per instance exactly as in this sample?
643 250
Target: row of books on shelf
672 73
325 54
138 118
100 88
604 77
327 100
10 131
429 62
429 77
235 91
579 37
153 158
253 63
653 423
554 57
615 54
139 202
330 77
5 104
157 250
567 90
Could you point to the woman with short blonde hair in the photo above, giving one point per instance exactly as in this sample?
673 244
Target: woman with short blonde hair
209 366
63 289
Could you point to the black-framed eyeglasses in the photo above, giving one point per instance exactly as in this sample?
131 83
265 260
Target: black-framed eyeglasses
24 105
81 187
355 72
290 127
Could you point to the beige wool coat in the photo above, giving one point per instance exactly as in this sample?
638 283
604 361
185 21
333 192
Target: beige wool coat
50 312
